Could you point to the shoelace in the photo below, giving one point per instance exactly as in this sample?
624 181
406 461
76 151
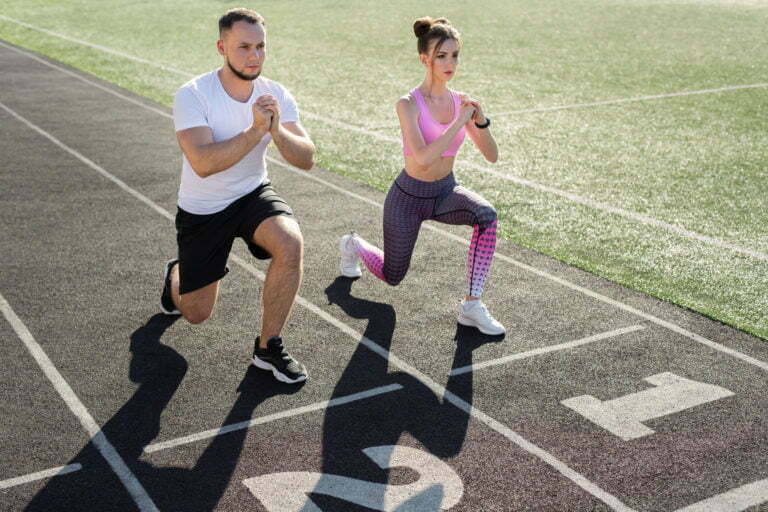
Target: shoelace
483 311
280 352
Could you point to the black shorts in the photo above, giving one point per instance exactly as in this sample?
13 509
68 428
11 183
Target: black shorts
206 240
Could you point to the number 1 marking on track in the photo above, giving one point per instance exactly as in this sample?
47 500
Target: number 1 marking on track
623 416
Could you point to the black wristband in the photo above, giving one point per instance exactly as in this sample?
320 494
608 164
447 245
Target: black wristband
487 123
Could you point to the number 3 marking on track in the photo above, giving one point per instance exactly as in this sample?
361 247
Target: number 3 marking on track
437 488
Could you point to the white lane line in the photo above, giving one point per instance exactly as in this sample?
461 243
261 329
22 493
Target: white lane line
319 406
98 438
39 475
638 217
357 337
90 82
636 98
735 500
558 465
545 350
305 175
90 164
541 273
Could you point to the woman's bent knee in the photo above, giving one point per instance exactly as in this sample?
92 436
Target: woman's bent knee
486 216
393 280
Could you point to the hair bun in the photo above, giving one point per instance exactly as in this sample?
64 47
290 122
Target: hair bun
422 25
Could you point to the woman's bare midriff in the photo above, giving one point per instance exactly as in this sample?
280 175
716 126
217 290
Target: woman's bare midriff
437 171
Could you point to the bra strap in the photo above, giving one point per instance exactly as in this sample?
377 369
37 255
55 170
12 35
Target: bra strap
416 93
456 105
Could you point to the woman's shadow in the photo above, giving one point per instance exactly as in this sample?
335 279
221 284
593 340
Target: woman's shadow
159 370
414 416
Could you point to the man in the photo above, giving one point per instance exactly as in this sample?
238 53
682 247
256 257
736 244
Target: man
224 121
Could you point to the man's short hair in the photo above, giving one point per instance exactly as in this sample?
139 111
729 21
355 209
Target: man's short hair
240 14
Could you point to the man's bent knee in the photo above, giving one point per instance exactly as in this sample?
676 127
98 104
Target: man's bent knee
290 250
197 306
197 316
281 237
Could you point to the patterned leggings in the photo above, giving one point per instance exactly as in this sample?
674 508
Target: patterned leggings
409 203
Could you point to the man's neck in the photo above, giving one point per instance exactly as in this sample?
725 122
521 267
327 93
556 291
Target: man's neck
237 88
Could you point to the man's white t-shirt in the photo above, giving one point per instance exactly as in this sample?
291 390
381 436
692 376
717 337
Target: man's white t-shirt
203 102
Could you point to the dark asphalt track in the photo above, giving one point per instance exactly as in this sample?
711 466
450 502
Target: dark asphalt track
80 259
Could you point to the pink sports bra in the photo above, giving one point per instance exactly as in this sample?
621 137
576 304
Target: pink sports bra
431 129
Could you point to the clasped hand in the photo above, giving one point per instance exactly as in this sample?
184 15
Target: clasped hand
266 113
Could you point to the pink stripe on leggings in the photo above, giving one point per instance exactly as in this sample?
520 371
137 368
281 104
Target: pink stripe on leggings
480 257
371 256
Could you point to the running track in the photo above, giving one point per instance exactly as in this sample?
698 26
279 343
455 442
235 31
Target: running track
137 411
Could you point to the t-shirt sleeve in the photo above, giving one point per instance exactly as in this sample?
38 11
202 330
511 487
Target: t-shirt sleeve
188 110
289 111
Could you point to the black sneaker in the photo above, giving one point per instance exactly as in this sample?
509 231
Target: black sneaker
166 302
275 359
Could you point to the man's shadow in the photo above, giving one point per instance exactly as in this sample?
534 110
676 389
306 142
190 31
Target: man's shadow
412 416
159 370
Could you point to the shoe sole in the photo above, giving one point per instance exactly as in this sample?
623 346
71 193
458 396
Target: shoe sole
165 274
470 323
351 275
263 365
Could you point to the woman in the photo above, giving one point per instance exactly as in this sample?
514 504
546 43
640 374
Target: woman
434 121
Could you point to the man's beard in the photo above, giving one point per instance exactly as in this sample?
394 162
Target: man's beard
241 75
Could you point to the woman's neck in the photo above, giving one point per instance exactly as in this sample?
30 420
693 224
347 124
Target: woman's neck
433 89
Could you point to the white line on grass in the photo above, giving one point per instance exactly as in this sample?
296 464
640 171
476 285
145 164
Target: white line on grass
603 298
617 101
638 217
545 350
357 337
98 438
319 406
39 475
99 47
636 98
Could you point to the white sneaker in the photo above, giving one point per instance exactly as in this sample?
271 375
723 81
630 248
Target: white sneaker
350 262
473 313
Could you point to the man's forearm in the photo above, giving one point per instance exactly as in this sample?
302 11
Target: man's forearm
297 150
220 156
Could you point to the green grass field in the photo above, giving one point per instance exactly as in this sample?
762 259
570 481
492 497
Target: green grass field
698 162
